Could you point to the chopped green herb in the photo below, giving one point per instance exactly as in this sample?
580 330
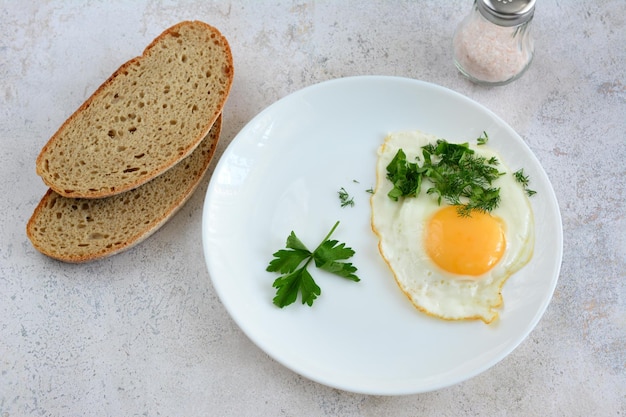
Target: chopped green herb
345 198
524 181
293 261
405 176
482 139
458 176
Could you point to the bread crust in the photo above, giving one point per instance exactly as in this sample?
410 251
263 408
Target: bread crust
63 228
46 157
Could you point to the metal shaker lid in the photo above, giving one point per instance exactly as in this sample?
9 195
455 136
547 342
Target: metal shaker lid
507 12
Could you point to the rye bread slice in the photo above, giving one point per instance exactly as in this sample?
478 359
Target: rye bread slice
150 114
80 229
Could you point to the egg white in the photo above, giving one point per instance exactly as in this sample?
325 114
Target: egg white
400 226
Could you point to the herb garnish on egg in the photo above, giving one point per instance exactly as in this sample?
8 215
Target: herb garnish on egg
523 179
457 175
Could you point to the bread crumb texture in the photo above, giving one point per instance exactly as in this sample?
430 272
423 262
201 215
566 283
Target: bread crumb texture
81 229
150 114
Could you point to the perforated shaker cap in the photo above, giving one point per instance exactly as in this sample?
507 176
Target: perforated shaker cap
507 12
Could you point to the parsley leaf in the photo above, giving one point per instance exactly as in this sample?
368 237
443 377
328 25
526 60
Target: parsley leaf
405 176
293 261
329 253
289 285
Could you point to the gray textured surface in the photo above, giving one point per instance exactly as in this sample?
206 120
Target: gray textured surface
143 333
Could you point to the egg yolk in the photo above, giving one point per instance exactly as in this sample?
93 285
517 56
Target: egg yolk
464 245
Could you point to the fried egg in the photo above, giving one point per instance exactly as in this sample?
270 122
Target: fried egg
449 266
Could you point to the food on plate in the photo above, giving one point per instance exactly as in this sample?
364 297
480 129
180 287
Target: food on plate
146 117
450 246
80 229
293 261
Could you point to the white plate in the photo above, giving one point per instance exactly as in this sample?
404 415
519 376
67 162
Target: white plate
283 172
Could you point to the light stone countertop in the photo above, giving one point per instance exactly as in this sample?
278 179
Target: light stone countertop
143 332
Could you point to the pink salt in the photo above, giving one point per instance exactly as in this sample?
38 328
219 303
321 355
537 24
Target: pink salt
489 52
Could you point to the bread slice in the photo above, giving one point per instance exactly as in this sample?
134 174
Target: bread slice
80 229
150 114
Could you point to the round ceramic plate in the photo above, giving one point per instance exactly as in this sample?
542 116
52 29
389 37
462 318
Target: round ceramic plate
283 173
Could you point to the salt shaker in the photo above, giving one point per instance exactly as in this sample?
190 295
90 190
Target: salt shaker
493 44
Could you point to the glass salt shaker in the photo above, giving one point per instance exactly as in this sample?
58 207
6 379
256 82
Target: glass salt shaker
493 44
